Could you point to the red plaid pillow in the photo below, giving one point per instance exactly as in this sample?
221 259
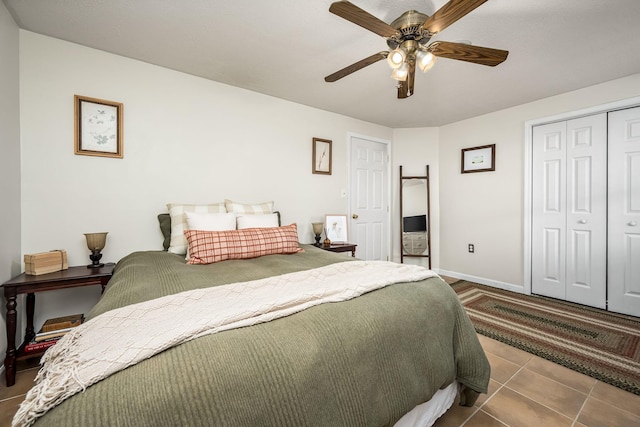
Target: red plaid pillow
206 247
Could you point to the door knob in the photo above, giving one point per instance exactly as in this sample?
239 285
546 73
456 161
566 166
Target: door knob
632 224
354 216
582 221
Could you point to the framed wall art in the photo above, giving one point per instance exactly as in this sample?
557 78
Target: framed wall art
321 156
98 127
336 228
479 159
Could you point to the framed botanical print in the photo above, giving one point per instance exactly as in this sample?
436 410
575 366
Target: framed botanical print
321 156
98 127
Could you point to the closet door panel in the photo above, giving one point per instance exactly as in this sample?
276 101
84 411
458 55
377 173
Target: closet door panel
549 211
624 211
587 210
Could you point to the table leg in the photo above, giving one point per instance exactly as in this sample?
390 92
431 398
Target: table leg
30 332
10 359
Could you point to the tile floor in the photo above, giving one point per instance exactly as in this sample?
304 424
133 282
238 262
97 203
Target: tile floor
525 390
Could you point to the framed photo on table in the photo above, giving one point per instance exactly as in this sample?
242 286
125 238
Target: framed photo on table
479 159
335 228
321 156
98 127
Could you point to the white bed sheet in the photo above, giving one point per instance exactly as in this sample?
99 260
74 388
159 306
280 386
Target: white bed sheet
427 413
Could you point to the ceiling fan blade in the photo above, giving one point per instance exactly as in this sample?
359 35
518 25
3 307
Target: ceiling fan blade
356 66
405 89
450 13
466 52
353 13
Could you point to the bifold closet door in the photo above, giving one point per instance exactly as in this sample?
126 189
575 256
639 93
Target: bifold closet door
624 211
569 240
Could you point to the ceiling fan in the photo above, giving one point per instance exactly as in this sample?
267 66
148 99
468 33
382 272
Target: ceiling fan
407 39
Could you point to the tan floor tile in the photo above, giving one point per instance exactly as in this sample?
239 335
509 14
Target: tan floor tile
512 354
482 419
455 416
597 413
7 409
24 382
517 410
501 369
561 374
552 394
619 398
493 387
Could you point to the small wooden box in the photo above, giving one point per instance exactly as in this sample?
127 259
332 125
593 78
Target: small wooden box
45 262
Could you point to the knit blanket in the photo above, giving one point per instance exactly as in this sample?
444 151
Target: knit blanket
125 336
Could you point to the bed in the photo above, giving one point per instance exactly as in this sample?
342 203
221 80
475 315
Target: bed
366 361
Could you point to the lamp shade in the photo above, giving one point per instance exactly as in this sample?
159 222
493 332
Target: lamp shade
396 57
96 241
400 74
317 227
426 60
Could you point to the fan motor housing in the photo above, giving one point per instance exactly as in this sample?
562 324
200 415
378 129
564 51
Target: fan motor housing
409 25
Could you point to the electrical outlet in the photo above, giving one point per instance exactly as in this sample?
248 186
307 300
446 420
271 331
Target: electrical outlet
472 248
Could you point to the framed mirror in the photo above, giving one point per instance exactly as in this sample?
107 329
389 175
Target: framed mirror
414 216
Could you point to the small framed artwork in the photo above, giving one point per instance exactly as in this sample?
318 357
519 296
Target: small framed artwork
335 228
479 159
321 156
98 127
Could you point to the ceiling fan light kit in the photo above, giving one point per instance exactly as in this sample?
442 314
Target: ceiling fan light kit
408 40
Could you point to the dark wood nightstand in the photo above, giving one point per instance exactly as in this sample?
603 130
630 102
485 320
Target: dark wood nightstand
26 284
341 247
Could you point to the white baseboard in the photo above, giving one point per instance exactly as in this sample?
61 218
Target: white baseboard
483 281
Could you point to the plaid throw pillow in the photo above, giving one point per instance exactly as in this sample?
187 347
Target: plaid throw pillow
178 244
206 247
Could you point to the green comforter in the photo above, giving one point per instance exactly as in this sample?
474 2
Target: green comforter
363 362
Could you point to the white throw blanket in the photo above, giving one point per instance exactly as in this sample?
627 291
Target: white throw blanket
125 336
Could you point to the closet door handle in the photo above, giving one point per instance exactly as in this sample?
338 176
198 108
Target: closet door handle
632 224
582 221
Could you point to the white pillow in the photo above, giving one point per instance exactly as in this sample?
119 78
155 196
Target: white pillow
178 244
258 221
211 221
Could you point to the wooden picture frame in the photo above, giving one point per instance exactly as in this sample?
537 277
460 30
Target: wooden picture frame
335 228
479 159
321 156
98 127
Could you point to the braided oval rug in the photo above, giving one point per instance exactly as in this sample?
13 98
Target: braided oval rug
598 343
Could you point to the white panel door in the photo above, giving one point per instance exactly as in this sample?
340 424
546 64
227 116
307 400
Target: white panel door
587 211
569 210
624 211
369 221
548 252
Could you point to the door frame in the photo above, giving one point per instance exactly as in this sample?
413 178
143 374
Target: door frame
528 170
387 142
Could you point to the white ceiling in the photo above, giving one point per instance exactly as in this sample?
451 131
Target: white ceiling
285 48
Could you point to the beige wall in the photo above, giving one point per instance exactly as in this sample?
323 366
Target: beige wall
186 139
413 149
486 209
10 158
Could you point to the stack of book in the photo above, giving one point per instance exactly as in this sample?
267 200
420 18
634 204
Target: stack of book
52 330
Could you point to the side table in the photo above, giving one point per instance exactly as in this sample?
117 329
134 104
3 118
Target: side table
30 285
341 247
